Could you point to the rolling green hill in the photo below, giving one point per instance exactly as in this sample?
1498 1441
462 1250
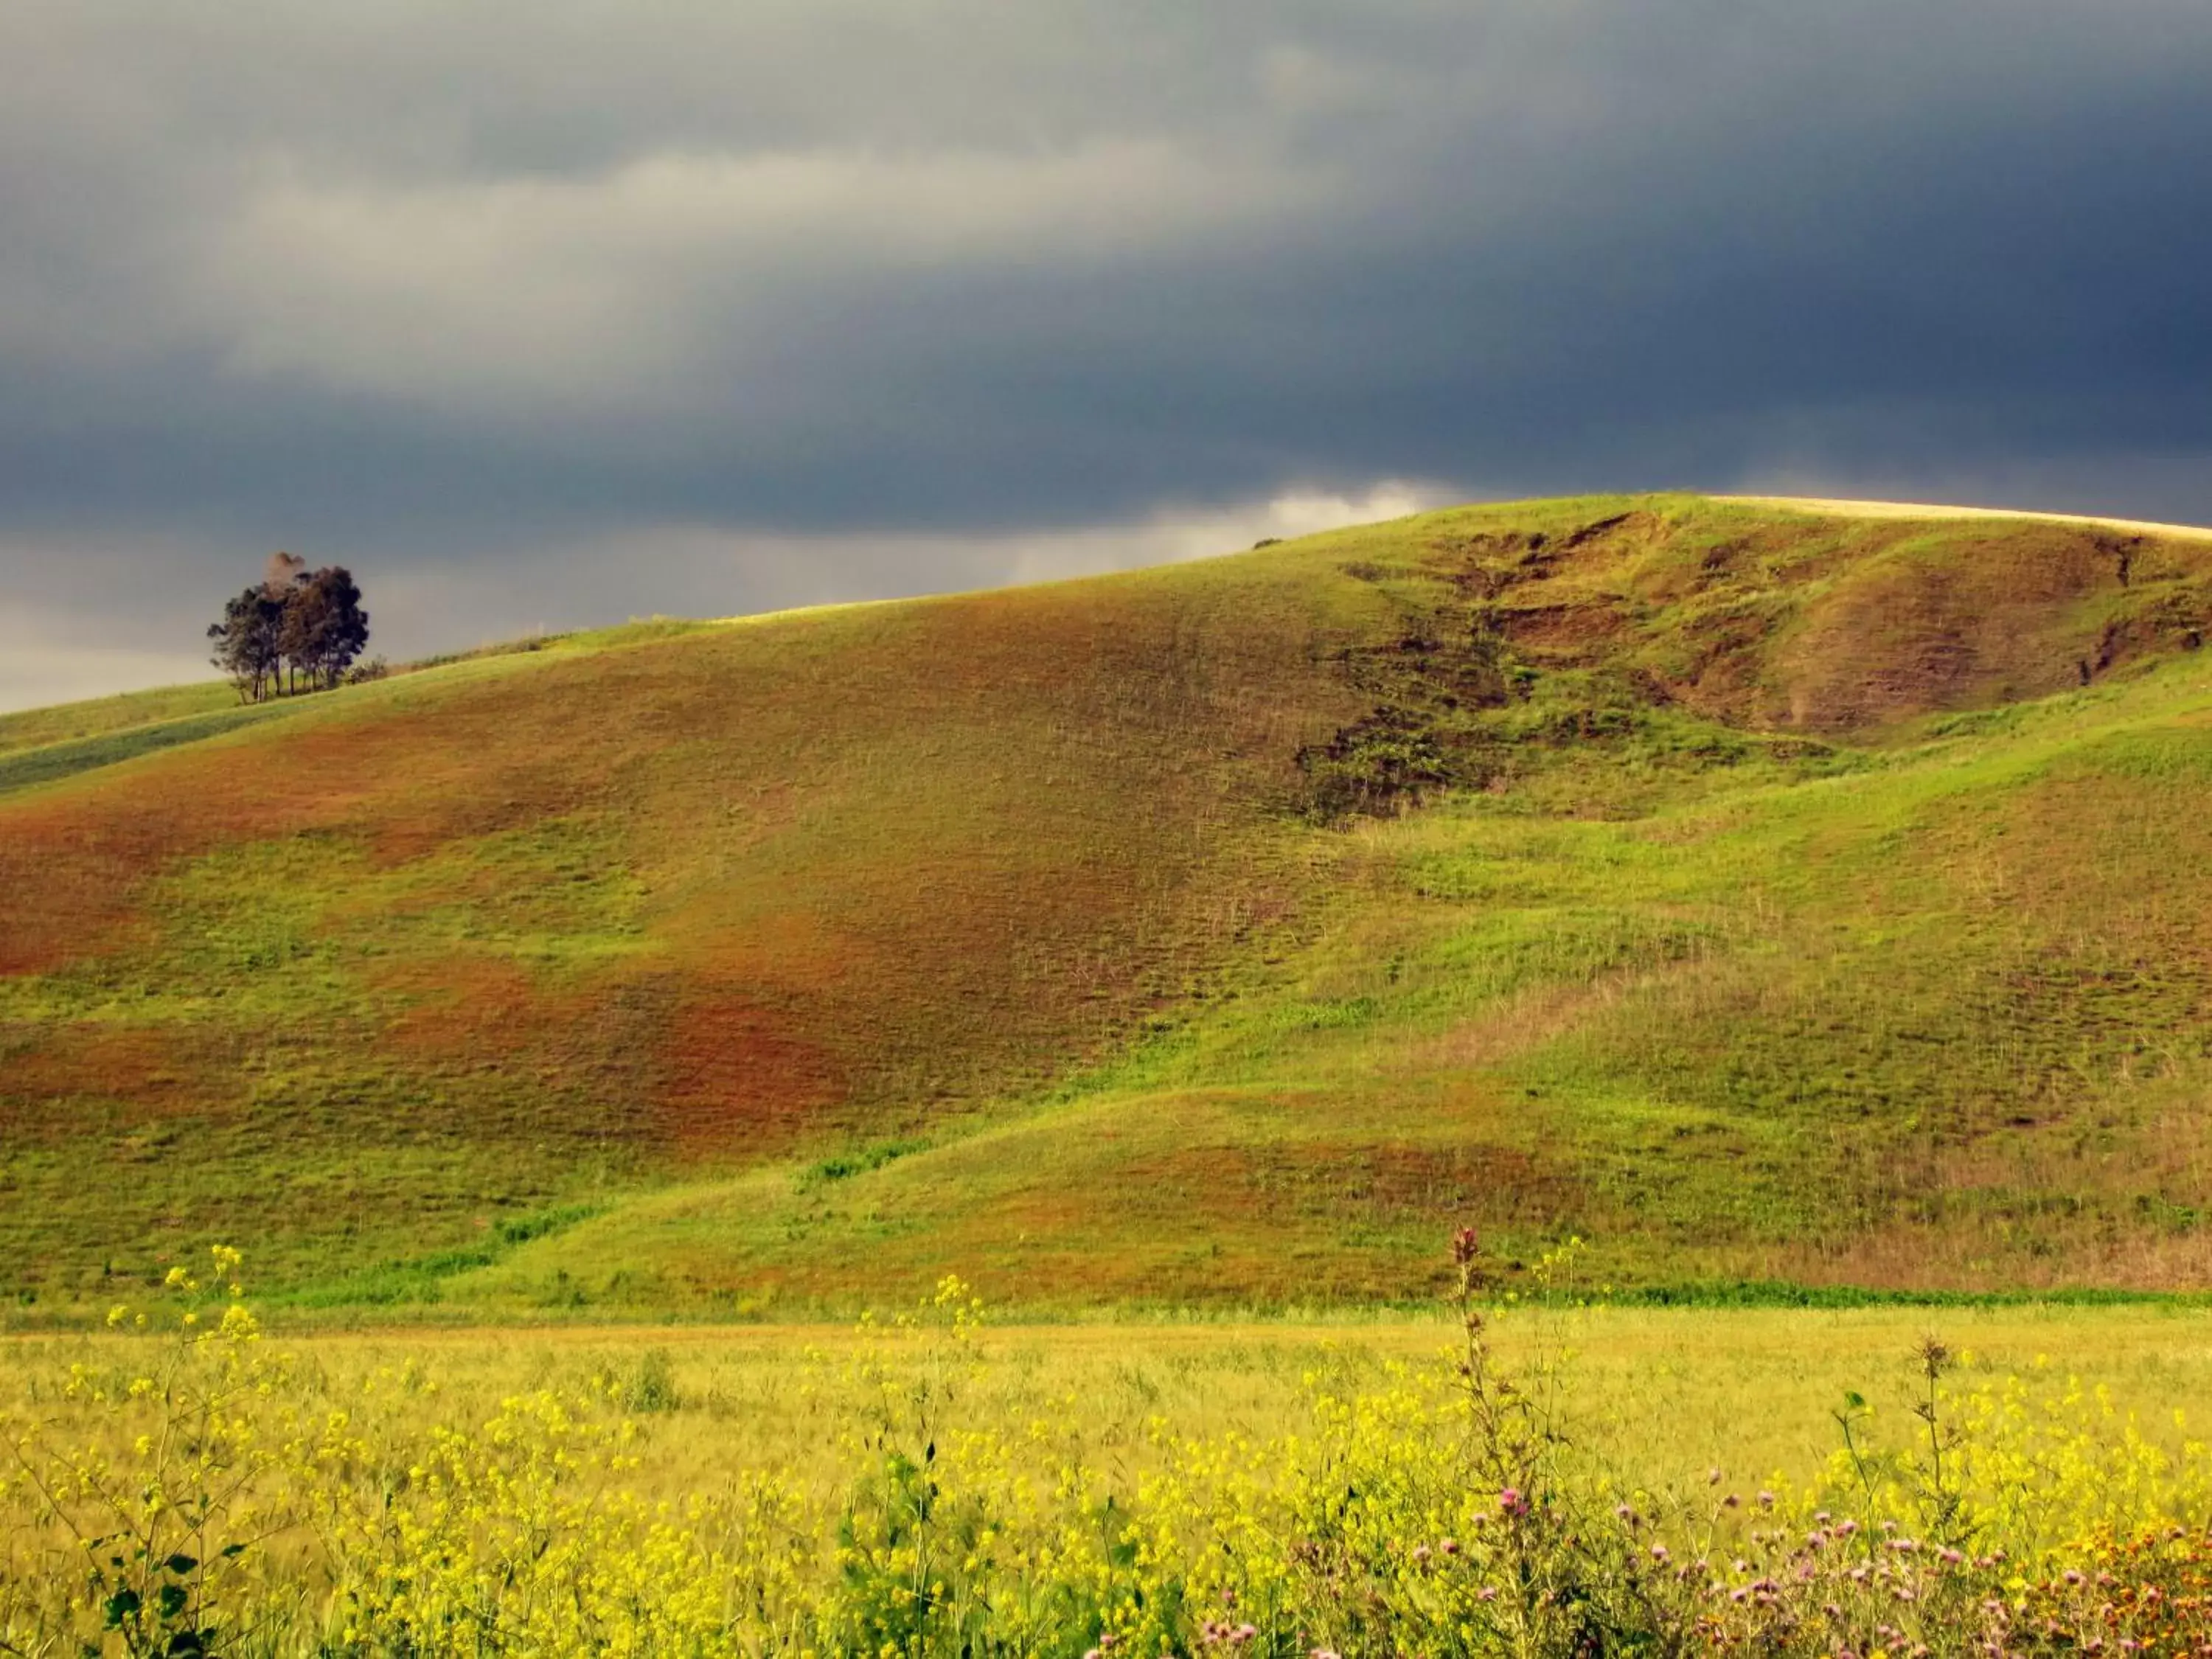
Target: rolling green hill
1761 894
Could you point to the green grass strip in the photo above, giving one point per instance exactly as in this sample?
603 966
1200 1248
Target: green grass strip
63 760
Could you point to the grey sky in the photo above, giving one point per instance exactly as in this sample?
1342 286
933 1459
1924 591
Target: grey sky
564 312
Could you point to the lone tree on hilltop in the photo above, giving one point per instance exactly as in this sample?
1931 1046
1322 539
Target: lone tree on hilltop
245 643
325 627
294 626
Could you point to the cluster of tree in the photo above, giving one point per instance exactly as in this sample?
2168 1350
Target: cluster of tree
295 630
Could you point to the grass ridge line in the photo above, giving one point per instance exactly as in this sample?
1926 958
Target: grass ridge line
51 762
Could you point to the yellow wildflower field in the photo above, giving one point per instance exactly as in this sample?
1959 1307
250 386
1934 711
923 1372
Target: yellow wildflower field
1515 1479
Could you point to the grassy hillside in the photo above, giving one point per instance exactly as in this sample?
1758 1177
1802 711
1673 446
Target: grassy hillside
1761 894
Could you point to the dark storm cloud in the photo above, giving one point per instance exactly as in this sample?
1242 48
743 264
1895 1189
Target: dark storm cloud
819 298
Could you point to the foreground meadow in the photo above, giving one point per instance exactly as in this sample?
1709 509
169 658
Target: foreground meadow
1503 1480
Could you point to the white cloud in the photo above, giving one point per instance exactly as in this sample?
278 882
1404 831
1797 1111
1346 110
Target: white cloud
1171 535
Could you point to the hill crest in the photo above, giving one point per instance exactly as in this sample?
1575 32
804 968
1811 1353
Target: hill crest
1759 891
